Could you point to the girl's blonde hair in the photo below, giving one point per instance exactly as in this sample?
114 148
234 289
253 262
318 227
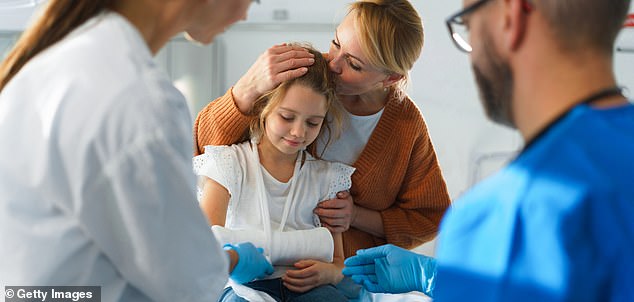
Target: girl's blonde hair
319 79
391 36
59 18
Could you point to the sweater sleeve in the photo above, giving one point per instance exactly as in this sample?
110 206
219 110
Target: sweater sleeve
422 200
219 123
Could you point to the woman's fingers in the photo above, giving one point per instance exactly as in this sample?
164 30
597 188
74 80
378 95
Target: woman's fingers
292 58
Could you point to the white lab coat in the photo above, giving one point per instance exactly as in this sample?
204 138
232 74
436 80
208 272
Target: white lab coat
96 186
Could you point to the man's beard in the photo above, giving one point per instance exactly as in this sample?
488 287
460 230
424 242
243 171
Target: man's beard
496 87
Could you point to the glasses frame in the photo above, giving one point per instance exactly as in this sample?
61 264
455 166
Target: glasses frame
456 19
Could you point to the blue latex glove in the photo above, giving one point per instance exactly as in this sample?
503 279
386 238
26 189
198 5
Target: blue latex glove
251 263
391 269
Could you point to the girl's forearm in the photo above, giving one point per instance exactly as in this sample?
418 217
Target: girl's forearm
335 273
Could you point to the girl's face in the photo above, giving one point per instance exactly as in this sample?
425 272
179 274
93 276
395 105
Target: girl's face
353 72
296 121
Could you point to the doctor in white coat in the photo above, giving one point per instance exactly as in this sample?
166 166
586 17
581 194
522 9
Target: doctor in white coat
96 183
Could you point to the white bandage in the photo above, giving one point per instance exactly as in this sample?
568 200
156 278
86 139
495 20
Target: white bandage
286 247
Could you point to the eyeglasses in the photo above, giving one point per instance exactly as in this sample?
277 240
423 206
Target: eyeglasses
458 27
459 30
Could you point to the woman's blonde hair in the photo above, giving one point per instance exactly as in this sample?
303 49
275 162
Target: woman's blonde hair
319 79
59 18
391 36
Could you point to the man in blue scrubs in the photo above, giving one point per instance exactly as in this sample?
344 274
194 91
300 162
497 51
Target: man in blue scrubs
556 224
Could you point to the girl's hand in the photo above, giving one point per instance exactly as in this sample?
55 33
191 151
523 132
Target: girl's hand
276 65
311 274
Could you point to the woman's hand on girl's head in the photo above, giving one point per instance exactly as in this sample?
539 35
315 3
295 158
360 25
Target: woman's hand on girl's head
312 273
336 214
276 65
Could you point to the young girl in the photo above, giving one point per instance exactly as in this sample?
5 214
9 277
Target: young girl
264 190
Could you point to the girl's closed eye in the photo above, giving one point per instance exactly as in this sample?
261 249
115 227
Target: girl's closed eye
313 124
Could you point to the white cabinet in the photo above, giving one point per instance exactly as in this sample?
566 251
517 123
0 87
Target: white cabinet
193 70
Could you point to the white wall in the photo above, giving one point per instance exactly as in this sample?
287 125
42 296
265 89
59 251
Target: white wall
6 41
444 89
624 57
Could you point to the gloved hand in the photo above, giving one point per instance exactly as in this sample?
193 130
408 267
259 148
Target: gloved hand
251 263
391 269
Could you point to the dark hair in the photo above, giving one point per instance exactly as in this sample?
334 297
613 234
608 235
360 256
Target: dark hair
586 23
60 17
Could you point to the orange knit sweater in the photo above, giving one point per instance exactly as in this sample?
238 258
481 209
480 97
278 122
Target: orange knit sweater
397 172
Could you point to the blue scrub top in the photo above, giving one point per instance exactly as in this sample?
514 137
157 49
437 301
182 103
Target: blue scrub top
557 224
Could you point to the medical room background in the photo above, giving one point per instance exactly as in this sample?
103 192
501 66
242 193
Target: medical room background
469 147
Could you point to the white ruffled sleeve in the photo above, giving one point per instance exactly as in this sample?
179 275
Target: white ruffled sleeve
219 163
340 180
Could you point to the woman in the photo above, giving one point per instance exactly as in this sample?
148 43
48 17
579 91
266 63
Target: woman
398 191
96 185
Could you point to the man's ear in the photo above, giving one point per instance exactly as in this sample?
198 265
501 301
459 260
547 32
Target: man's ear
516 17
391 79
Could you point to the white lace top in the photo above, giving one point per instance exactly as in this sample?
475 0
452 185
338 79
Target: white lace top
233 167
